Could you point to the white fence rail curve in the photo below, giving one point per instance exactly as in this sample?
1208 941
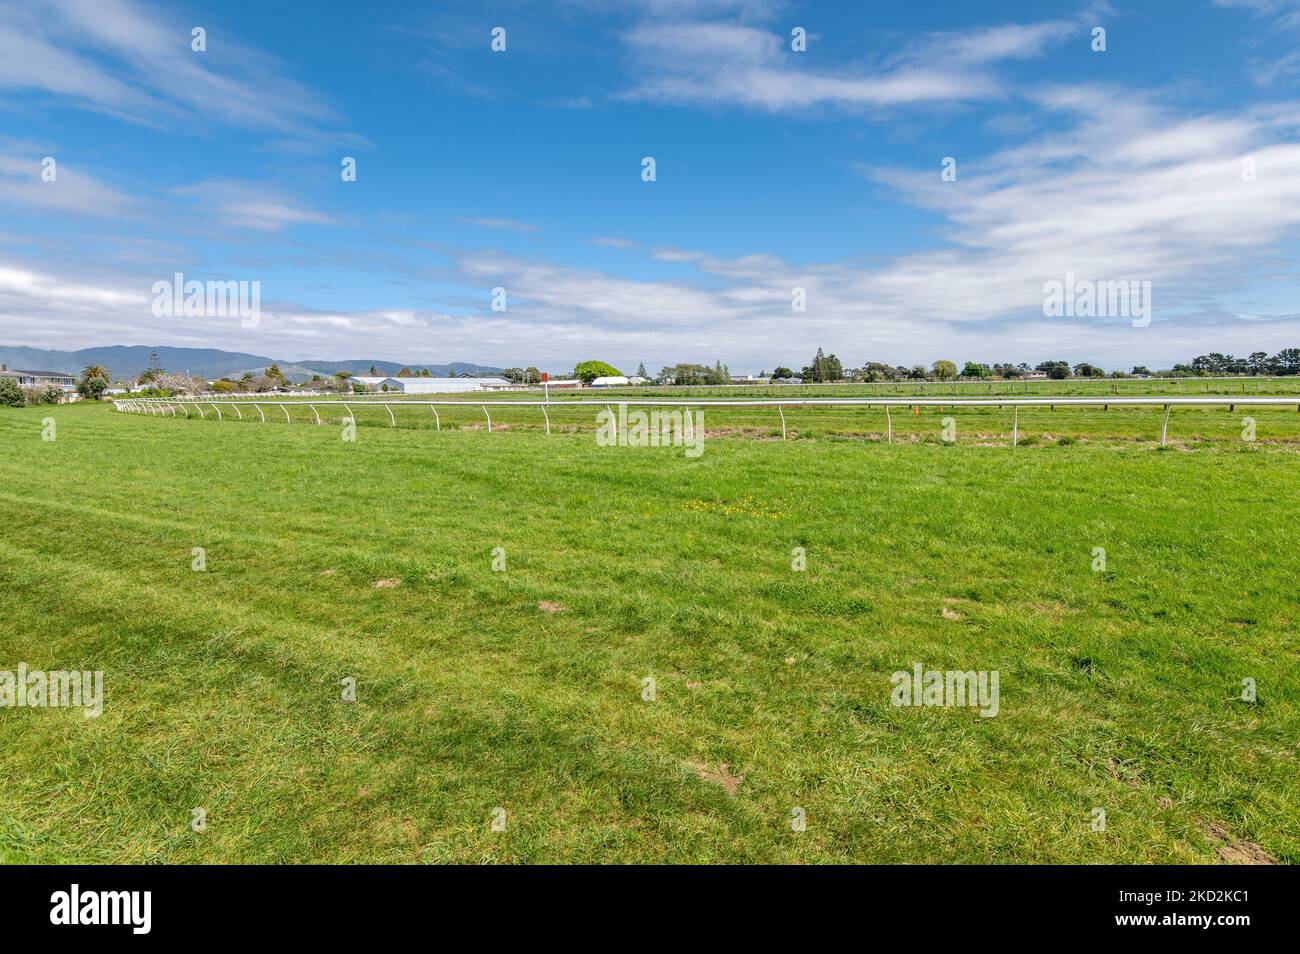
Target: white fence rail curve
165 406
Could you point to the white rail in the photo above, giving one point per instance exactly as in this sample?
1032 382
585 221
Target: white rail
1167 403
1098 401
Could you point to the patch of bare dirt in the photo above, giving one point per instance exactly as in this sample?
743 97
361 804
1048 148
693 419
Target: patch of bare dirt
951 614
719 776
1232 849
329 572
546 606
385 584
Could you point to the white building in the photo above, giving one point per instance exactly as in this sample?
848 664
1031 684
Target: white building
415 385
610 381
39 379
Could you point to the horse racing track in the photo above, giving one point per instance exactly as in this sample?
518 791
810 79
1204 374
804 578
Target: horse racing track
432 642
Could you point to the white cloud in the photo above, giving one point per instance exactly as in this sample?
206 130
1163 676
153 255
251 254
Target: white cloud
253 205
613 241
508 225
71 191
1287 10
714 62
116 57
1012 41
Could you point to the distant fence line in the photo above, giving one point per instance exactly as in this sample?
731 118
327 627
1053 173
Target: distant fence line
955 382
894 385
162 406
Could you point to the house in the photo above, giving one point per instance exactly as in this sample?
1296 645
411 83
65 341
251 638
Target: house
610 381
638 380
414 385
40 379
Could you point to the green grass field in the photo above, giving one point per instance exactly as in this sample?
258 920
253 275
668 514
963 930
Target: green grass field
523 689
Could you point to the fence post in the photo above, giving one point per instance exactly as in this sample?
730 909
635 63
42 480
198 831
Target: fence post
548 420
1015 425
392 421
437 421
488 416
1164 428
889 426
218 410
259 411
314 411
782 412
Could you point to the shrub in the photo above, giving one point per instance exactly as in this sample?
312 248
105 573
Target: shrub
46 394
11 395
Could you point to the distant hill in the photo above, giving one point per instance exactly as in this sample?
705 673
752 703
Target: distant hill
126 361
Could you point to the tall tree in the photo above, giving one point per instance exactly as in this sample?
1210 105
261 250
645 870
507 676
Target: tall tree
944 370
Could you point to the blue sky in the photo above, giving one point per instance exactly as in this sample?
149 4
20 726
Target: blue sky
775 169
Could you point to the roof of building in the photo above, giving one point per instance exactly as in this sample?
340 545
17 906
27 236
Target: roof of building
14 372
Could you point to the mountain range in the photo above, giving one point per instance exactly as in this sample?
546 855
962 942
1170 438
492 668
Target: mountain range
126 361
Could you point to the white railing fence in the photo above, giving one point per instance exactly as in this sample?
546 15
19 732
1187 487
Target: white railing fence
173 406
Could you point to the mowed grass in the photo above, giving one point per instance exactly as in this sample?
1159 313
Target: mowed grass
523 689
1233 427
